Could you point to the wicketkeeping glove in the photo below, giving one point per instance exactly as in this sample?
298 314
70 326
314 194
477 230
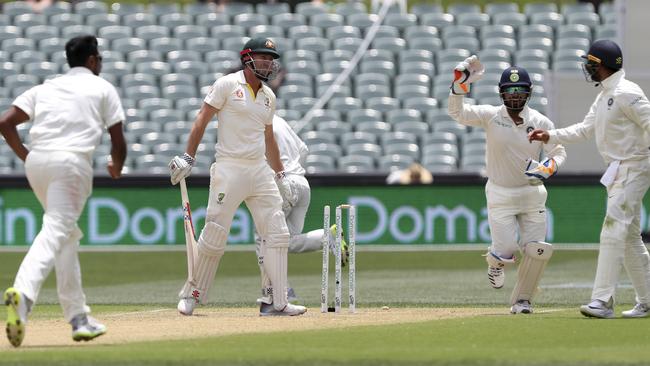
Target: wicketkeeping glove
465 73
287 194
547 168
180 167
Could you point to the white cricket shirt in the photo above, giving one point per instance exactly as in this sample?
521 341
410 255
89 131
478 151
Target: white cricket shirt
507 143
70 112
242 116
292 149
620 119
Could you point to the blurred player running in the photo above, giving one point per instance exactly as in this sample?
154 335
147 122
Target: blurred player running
70 113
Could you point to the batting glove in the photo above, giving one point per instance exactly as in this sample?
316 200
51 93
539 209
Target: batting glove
465 73
544 170
180 167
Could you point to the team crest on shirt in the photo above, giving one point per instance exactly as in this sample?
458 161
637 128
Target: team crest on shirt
220 197
529 129
609 103
239 93
267 103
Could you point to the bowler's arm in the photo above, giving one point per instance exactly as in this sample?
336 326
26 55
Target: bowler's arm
8 122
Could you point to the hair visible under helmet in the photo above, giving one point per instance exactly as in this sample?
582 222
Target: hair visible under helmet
605 53
515 88
263 70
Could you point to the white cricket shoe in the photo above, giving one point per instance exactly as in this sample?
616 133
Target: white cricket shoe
639 311
86 328
522 307
289 310
598 309
496 276
17 311
186 305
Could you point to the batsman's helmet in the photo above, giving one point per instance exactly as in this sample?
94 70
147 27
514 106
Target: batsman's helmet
264 70
260 45
606 53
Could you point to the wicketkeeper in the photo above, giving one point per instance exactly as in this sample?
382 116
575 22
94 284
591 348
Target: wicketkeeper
516 170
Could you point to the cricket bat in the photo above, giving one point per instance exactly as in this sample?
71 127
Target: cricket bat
190 238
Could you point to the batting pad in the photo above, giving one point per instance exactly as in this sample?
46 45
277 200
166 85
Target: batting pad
275 266
536 255
211 245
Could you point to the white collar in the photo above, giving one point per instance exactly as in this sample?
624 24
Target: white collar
79 70
613 79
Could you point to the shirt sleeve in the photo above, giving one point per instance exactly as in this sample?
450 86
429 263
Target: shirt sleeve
637 108
218 94
113 112
578 132
27 101
271 96
466 114
555 151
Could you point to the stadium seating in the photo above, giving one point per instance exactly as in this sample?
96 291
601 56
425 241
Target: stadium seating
163 57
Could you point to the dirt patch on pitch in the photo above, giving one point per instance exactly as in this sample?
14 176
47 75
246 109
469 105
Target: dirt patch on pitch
167 324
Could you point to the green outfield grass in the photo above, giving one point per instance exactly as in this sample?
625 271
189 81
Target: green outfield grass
557 334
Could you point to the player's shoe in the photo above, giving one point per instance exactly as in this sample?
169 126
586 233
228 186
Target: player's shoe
496 276
639 311
86 328
17 311
289 310
186 305
598 309
267 299
345 253
522 307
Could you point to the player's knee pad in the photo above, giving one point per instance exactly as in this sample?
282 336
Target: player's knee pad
496 261
531 268
212 241
277 232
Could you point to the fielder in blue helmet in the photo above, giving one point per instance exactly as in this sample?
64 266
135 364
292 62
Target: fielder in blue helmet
603 59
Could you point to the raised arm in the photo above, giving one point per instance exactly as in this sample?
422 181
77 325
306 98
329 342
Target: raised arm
465 73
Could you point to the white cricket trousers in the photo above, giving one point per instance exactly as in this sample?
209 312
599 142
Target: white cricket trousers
62 182
620 236
517 215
